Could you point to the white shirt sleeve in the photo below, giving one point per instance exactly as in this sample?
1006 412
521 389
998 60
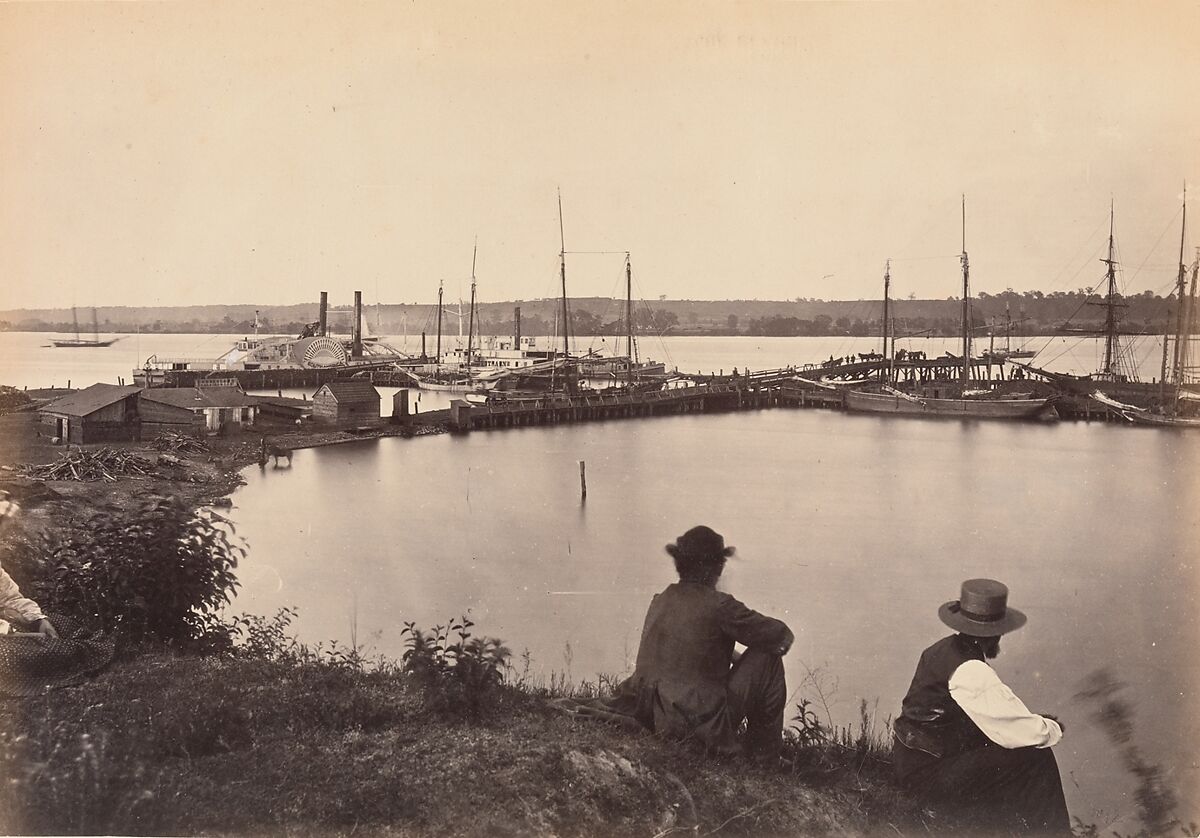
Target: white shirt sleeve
13 606
994 709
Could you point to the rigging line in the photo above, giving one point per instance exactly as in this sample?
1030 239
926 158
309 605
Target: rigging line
1077 254
1150 252
667 358
923 258
595 252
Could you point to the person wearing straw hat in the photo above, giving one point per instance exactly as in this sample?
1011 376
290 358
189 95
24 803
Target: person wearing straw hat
964 740
688 682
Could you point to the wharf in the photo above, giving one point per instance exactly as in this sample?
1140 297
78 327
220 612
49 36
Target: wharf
789 387
748 393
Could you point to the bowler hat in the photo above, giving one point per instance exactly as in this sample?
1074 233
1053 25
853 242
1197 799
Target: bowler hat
700 543
982 610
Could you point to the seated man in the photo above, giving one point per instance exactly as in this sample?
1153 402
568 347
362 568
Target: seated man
688 683
964 739
35 653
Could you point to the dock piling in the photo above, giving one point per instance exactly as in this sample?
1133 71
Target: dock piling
582 480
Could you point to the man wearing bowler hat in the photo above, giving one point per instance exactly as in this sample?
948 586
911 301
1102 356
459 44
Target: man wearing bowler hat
688 683
964 739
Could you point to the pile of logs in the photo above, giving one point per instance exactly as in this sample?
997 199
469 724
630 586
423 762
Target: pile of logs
105 464
180 443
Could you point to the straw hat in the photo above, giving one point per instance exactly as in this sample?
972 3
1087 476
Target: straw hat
982 610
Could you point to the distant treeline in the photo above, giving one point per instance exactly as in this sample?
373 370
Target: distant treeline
1029 313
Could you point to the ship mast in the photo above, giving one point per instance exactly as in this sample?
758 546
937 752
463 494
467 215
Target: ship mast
1111 349
1181 338
437 359
629 315
966 303
562 269
887 286
1189 325
471 316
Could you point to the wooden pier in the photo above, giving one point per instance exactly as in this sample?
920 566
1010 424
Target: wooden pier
791 387
724 395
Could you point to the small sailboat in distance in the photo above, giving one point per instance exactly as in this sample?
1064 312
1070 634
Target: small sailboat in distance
79 342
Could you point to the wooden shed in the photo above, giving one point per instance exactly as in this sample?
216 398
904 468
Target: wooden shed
100 413
195 409
349 402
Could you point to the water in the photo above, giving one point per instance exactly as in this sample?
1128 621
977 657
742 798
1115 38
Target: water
852 528
28 360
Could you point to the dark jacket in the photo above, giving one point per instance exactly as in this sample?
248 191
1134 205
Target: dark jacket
678 688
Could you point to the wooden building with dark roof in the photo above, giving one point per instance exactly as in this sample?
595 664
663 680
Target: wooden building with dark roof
351 403
100 413
201 409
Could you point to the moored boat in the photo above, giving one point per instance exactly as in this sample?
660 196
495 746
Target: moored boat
897 402
314 349
960 401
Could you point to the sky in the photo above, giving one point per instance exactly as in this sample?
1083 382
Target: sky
192 153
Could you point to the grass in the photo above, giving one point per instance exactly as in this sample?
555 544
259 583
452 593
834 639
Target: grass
165 743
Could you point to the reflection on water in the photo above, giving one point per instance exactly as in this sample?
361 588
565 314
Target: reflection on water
852 528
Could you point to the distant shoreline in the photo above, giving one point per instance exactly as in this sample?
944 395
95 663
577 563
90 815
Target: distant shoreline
1020 314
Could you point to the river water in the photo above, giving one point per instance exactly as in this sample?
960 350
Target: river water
853 529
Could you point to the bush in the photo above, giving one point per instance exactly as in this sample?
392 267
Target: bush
456 672
161 572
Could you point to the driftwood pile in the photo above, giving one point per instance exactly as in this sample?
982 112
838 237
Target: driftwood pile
105 464
180 443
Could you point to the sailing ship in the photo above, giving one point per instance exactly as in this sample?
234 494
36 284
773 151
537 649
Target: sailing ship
80 342
1179 390
994 354
627 368
460 371
963 401
596 369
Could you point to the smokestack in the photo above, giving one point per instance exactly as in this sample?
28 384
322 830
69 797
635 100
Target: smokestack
517 327
356 350
323 317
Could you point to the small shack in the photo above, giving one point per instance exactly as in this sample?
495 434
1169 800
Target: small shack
200 409
100 413
350 402
284 409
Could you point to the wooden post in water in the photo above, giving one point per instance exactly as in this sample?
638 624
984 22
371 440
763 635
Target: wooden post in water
582 480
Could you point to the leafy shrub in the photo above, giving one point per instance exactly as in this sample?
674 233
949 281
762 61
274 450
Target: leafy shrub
270 639
805 731
161 572
457 673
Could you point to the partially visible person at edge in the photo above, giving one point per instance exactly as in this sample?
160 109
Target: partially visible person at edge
964 739
688 682
36 653
17 612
